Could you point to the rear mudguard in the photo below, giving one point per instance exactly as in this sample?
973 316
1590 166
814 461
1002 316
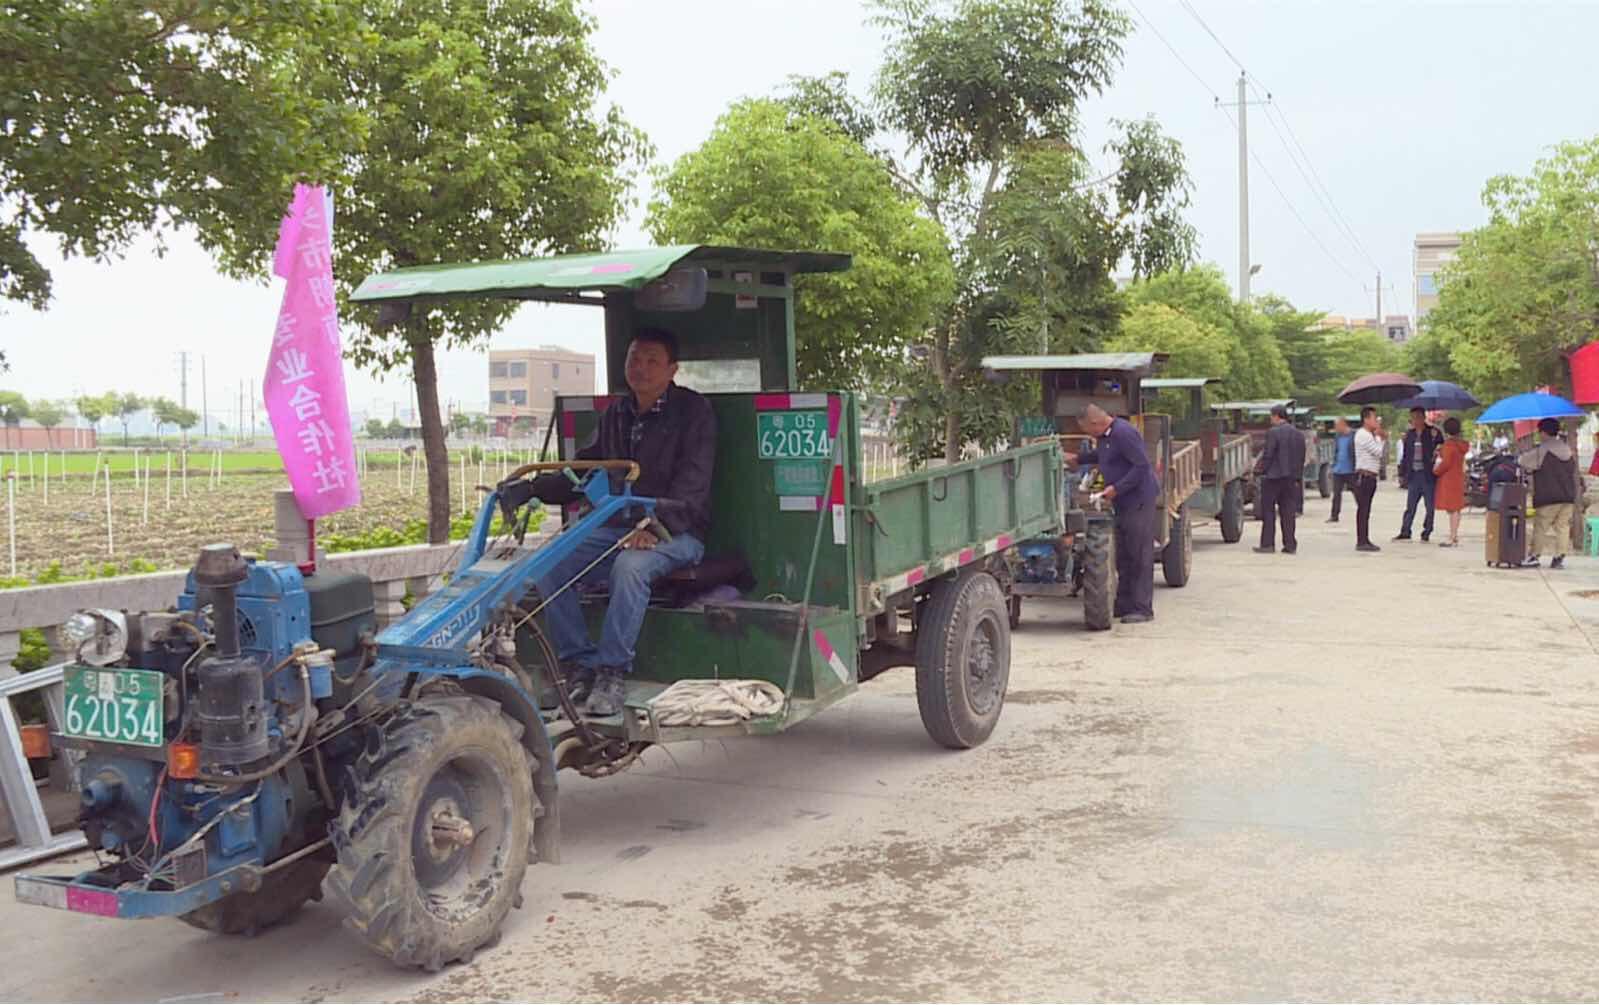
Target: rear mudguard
519 705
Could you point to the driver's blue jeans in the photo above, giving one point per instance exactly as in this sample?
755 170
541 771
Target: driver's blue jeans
630 575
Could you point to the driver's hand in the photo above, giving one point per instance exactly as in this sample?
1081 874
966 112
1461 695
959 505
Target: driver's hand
641 540
1071 459
514 494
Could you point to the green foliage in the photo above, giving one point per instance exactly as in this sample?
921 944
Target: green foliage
1426 357
13 408
769 177
124 406
34 651
416 532
395 430
828 98
94 407
1524 289
1196 349
374 428
1350 354
123 116
48 414
54 573
1255 364
987 92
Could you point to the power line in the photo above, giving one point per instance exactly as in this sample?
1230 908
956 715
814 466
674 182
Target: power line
1217 38
1307 171
1292 208
1173 49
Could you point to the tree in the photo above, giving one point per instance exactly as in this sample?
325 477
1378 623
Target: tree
94 407
395 430
185 419
1426 357
375 428
49 415
13 409
165 413
1299 337
1195 349
125 116
769 177
1524 289
987 94
1255 367
125 406
486 140
1350 354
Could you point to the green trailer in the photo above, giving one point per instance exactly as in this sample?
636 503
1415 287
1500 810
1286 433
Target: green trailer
815 579
1320 450
1225 459
1253 419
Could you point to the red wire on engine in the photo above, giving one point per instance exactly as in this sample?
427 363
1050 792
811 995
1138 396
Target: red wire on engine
155 842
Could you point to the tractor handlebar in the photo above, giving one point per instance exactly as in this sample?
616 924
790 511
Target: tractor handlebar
631 467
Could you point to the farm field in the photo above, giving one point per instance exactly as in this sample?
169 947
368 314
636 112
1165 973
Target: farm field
160 526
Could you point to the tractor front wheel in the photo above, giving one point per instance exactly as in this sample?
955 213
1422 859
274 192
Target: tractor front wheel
962 659
282 893
1324 480
433 844
1232 512
1177 558
1099 575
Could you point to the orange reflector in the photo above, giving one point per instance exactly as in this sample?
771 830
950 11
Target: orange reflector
183 760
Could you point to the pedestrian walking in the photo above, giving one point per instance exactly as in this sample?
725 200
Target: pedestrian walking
1131 486
1343 469
1421 442
1282 480
1553 467
1370 448
1449 469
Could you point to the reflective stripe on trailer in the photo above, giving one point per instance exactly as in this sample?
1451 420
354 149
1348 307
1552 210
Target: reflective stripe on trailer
939 566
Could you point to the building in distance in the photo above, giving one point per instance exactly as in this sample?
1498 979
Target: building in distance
523 383
1431 253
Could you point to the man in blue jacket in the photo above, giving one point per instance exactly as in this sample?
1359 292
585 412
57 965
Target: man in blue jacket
1343 469
1130 485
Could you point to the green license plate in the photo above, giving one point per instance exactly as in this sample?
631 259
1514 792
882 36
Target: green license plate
114 706
799 435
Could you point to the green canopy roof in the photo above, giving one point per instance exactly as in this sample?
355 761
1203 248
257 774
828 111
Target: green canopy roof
1251 406
1161 383
562 276
1083 361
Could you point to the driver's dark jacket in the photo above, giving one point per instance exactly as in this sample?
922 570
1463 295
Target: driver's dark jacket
674 443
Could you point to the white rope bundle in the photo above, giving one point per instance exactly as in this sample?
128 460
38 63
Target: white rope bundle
716 702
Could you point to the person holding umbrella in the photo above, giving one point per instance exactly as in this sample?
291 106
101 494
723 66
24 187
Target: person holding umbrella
1369 450
1421 442
1553 466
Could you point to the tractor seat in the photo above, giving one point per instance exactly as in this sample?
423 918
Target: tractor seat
682 587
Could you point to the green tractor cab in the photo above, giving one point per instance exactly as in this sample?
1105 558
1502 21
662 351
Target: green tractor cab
1081 562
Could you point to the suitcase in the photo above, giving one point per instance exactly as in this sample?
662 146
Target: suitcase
1506 540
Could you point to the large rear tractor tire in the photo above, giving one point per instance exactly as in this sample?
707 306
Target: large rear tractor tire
1099 575
1324 480
433 844
1231 516
283 892
962 659
1177 558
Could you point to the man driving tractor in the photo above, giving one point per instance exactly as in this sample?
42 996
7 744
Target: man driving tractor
670 431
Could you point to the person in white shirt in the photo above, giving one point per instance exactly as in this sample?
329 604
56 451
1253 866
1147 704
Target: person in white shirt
1369 448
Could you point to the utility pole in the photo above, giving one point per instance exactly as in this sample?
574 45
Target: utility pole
1243 103
1379 302
205 412
1243 192
183 378
252 411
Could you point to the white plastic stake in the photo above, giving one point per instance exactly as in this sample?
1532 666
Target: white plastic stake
416 456
184 461
480 460
31 482
399 472
110 540
11 517
147 492
46 464
169 479
463 483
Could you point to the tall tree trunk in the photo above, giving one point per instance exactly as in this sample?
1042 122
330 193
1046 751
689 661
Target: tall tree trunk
946 380
425 373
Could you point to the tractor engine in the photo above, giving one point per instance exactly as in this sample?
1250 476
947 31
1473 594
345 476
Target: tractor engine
236 770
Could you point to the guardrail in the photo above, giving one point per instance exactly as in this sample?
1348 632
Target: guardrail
394 572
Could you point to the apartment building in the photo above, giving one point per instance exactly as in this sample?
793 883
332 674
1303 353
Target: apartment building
524 382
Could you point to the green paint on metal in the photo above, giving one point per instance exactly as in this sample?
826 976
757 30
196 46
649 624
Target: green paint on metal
1035 425
801 477
1082 361
558 277
781 435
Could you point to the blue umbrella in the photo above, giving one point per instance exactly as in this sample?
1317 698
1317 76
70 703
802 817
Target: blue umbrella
1441 395
1532 405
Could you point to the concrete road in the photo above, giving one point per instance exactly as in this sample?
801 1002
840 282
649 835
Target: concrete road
1327 776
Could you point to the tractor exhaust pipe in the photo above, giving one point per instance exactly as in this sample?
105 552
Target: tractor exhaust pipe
231 708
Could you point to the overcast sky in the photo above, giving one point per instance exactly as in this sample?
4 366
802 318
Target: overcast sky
1404 110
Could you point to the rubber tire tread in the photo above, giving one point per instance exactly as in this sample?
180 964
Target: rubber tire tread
1177 558
248 913
1324 480
1231 517
945 627
1099 576
373 881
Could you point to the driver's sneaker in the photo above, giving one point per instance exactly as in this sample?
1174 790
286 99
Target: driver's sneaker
608 693
1558 562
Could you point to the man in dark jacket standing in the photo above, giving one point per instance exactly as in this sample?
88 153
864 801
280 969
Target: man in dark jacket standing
1131 486
671 432
1415 471
1282 471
